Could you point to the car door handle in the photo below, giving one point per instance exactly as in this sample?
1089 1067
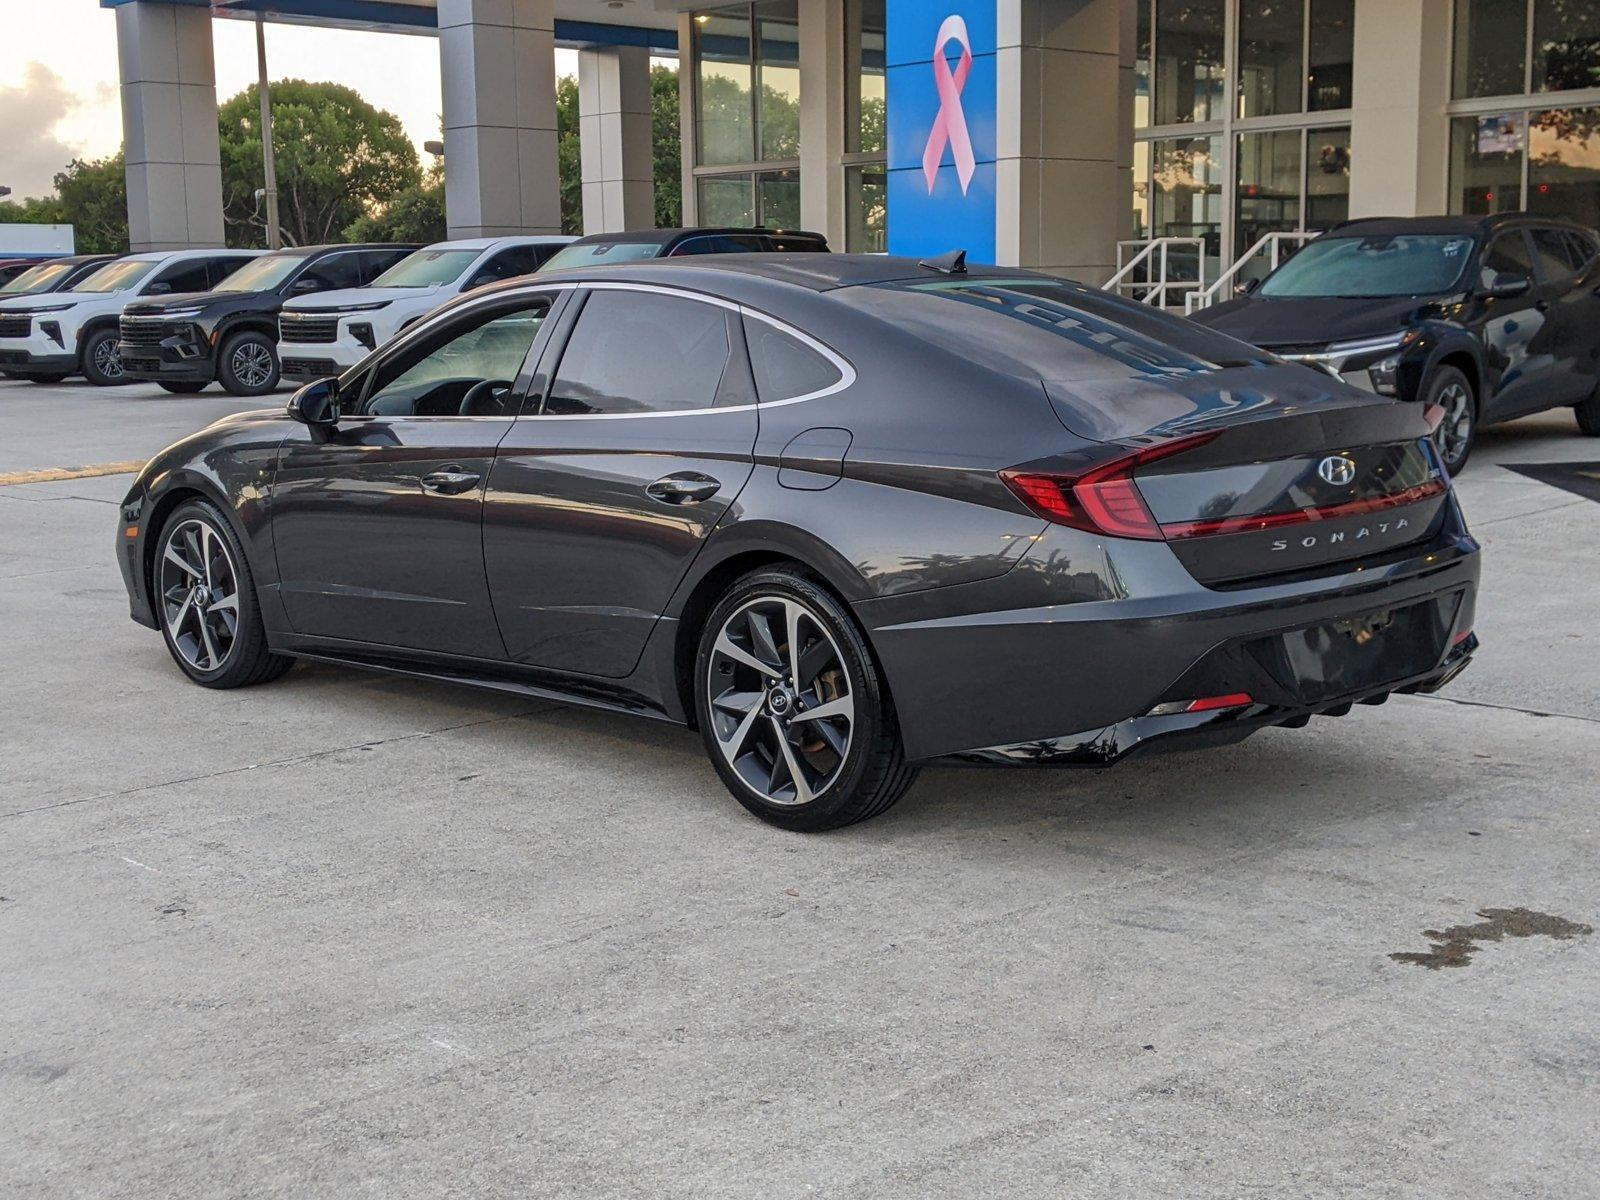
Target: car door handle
688 487
449 481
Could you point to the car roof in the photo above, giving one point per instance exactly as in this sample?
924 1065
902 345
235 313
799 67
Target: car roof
1468 225
663 237
815 272
485 243
211 252
333 247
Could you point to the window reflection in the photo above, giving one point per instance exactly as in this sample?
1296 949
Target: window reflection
1189 58
1271 33
1269 190
1566 45
723 73
1564 164
1491 36
1486 163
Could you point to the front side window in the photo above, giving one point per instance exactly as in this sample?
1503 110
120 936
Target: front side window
507 264
1388 265
466 369
1506 255
641 352
333 271
192 275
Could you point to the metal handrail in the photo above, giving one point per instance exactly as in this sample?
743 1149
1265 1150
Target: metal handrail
1156 251
1205 297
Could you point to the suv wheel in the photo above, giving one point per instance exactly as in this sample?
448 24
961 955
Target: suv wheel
248 364
102 358
792 709
1458 431
205 597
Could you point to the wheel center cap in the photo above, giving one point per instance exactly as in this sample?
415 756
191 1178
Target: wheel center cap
201 596
779 701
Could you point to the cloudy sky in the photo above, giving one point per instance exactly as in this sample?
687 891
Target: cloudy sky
58 81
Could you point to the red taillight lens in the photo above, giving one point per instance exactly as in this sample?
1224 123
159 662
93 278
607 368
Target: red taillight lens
1103 499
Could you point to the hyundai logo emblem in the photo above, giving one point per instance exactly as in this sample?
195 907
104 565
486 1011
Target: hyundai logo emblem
1337 470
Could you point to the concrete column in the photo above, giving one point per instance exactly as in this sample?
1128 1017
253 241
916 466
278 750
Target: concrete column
497 68
614 129
169 126
688 123
822 119
1399 134
1064 172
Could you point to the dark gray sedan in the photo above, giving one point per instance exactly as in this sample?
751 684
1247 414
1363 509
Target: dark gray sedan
844 515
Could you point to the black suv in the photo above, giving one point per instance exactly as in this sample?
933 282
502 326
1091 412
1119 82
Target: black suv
1488 318
599 248
230 334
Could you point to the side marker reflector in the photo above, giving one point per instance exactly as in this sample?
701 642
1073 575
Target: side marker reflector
1204 704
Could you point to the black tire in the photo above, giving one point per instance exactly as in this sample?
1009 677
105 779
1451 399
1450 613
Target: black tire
1588 414
102 360
198 534
871 773
9 375
1458 432
247 364
184 388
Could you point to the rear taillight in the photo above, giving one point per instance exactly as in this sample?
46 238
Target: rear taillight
1104 498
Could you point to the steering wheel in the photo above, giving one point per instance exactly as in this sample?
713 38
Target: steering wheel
486 398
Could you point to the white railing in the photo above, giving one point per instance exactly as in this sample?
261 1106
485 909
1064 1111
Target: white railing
1154 254
1270 243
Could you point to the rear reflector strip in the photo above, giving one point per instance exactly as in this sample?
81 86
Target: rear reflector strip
1301 516
1205 704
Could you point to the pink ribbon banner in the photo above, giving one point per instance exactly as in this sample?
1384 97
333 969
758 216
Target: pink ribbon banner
950 129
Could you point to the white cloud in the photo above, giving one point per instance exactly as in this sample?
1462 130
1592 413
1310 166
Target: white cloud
32 148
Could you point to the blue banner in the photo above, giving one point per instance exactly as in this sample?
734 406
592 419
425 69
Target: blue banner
943 88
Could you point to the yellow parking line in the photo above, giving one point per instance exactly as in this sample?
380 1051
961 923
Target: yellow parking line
52 474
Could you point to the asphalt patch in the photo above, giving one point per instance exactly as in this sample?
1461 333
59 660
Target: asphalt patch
1581 479
1454 947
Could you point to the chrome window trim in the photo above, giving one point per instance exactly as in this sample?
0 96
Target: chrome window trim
847 372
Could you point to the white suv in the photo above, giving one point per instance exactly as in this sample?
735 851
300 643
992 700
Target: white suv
327 333
46 338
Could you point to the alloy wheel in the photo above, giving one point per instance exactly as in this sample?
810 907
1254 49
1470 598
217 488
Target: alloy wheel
199 589
782 712
251 364
1455 429
108 358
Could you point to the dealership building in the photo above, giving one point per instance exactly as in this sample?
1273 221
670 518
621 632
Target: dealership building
1076 136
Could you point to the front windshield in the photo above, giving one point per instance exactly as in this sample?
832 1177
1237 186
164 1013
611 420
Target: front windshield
591 253
262 274
1399 264
37 279
425 268
117 277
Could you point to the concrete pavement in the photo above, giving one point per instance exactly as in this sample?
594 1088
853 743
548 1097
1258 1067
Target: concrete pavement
353 936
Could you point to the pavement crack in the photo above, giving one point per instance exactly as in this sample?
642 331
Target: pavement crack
276 762
1534 513
1527 712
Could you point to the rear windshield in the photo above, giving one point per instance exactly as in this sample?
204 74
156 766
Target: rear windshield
425 268
1402 264
1052 330
37 279
117 276
592 253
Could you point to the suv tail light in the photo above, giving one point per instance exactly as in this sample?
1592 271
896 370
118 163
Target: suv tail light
1104 498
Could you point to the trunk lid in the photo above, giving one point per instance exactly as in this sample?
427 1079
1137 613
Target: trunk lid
1289 471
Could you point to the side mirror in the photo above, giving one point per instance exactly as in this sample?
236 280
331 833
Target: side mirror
1507 284
1248 286
303 285
316 404
160 288
478 281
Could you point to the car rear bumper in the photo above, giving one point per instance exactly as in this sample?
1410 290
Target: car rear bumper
1075 683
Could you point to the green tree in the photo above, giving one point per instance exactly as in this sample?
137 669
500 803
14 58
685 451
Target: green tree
569 160
92 197
415 214
665 144
338 159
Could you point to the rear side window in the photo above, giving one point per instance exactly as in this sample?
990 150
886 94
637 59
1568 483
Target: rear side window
784 366
335 271
1581 246
1506 255
640 352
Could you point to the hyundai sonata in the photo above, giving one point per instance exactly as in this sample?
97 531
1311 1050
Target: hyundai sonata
844 515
